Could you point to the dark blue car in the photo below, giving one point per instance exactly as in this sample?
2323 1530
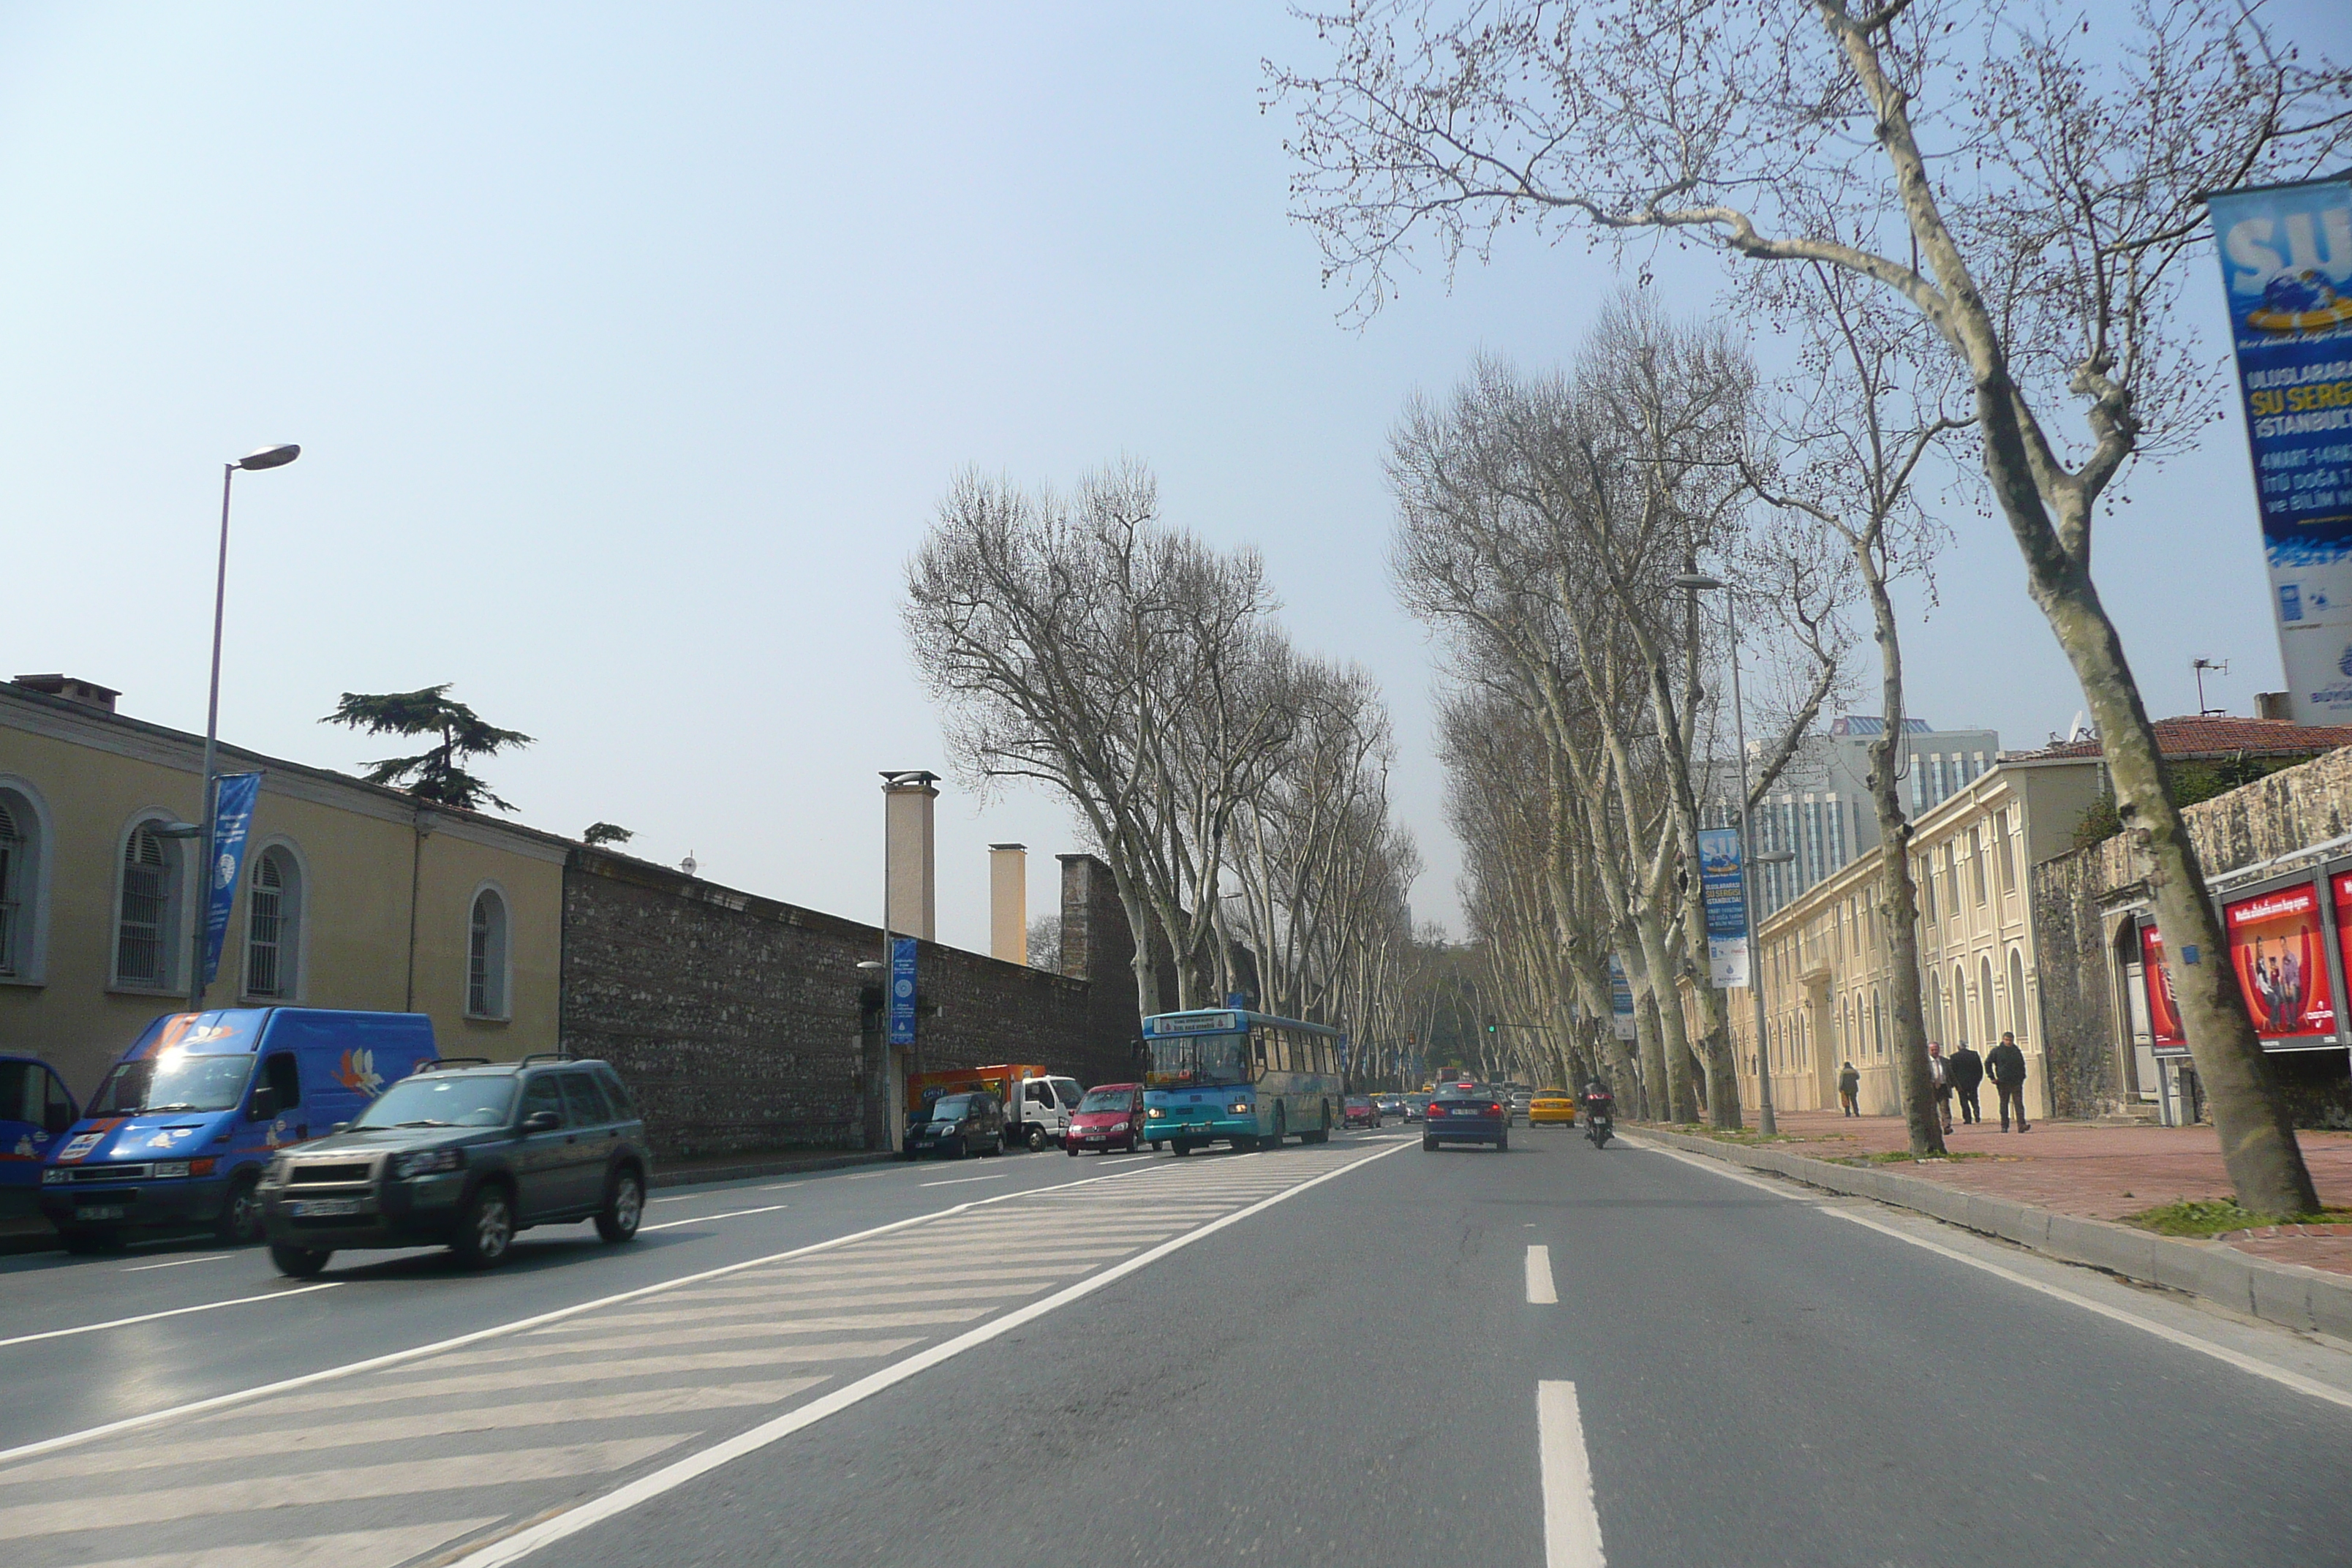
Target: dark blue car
1466 1114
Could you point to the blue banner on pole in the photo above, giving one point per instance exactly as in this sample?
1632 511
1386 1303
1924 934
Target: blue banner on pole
233 798
1720 885
2286 269
902 990
1621 1000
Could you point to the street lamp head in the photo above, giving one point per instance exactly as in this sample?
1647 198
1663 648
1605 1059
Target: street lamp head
1698 582
268 458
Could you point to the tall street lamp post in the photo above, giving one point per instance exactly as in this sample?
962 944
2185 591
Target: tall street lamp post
1700 583
209 797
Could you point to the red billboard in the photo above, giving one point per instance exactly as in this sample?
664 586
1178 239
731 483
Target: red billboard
2163 1012
2280 954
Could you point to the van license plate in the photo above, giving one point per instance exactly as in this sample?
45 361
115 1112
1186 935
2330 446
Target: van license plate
102 1211
322 1208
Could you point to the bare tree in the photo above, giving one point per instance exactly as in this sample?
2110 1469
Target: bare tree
2029 184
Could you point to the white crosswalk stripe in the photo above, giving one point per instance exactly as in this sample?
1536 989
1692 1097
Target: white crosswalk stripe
346 1472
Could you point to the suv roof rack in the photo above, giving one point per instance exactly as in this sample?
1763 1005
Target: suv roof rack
547 1056
439 1063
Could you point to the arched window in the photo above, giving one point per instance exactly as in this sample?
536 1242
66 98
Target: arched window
273 926
1984 1001
23 863
147 910
1960 1008
2017 1009
486 957
1877 1026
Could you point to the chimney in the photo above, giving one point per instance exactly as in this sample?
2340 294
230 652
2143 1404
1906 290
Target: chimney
1008 902
911 896
88 693
2274 705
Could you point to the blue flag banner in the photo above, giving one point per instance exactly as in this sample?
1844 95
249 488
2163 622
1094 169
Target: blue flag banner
1621 1000
2286 267
902 990
1721 888
233 798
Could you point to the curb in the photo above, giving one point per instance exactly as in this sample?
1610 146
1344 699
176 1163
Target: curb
2308 1300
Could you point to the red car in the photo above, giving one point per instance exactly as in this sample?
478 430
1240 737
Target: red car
1110 1117
1362 1110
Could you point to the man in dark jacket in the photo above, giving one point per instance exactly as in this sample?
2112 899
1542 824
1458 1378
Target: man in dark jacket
1850 1089
2005 1065
1967 1071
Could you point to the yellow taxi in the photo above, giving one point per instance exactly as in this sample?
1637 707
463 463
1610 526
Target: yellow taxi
1552 1107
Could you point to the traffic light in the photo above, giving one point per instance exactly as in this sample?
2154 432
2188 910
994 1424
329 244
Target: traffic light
1492 1026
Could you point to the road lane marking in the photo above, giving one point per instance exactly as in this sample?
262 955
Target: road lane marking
306 1437
1541 1291
380 1479
844 1323
398 1544
767 1307
174 1312
958 1181
418 1352
1572 1522
706 1218
669 1477
2239 1358
175 1263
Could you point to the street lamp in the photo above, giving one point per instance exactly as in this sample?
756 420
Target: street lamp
209 799
1698 582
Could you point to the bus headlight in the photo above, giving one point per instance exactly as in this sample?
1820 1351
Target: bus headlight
1240 1108
1155 1113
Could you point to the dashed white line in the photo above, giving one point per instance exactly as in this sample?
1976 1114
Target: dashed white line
1572 1522
174 1312
960 1181
706 1218
1540 1291
175 1263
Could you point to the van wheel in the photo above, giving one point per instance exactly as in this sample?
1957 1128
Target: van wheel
298 1262
625 1206
487 1230
995 1147
240 1217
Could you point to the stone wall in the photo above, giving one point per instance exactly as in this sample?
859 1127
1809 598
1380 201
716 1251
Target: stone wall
735 1018
2295 817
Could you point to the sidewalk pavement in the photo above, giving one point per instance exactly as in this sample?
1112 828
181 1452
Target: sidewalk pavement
2094 1172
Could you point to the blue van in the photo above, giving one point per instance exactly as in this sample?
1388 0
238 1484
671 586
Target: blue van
36 1111
179 1131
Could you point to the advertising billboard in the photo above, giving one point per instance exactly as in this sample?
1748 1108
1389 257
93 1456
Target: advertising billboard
1726 905
2163 1010
2286 267
2280 955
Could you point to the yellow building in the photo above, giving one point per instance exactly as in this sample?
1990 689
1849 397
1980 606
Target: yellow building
1824 956
352 896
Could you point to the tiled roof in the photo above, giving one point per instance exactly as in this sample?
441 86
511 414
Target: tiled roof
2191 737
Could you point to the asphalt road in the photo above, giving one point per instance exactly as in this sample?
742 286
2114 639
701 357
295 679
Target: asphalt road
1342 1354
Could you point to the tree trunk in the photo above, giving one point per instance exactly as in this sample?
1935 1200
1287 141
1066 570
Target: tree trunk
1674 1041
1717 1066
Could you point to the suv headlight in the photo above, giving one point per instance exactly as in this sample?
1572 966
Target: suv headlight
424 1162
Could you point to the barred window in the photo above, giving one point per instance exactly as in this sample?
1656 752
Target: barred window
486 957
143 939
14 890
273 926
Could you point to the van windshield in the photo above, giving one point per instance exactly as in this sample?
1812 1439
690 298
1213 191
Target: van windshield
951 1107
443 1099
175 1080
1108 1100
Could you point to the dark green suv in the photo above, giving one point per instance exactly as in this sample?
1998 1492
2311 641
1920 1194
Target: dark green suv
463 1155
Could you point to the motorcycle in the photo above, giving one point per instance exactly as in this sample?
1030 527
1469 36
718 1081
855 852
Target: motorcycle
1599 1125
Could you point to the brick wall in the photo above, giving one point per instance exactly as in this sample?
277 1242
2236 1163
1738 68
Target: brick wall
735 1017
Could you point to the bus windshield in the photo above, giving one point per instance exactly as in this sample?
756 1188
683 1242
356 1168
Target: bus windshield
1191 1061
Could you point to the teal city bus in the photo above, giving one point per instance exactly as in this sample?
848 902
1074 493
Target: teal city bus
1248 1078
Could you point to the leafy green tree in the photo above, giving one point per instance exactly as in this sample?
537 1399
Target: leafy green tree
602 833
438 775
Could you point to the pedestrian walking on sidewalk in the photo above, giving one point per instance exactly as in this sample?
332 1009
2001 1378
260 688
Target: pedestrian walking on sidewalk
1940 1074
1966 1069
2006 1064
1849 1091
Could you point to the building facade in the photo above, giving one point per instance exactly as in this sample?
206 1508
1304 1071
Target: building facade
352 896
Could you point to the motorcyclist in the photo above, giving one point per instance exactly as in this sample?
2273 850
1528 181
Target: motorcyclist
1598 1101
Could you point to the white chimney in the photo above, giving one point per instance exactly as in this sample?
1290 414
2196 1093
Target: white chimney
1008 902
911 892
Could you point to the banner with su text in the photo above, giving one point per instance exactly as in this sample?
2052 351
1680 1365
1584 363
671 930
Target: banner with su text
233 798
1726 897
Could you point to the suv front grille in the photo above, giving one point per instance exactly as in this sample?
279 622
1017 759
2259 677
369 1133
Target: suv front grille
304 1175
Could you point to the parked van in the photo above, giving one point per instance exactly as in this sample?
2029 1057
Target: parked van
36 1111
1037 1104
179 1129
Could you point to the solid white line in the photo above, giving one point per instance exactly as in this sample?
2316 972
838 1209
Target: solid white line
2163 1332
1571 1522
669 1477
174 1312
175 1263
958 1181
706 1218
1541 1291
396 1358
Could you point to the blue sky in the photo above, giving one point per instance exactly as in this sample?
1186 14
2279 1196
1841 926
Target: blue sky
631 349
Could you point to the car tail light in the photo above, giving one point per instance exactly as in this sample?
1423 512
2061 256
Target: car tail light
1434 1111
1495 1110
